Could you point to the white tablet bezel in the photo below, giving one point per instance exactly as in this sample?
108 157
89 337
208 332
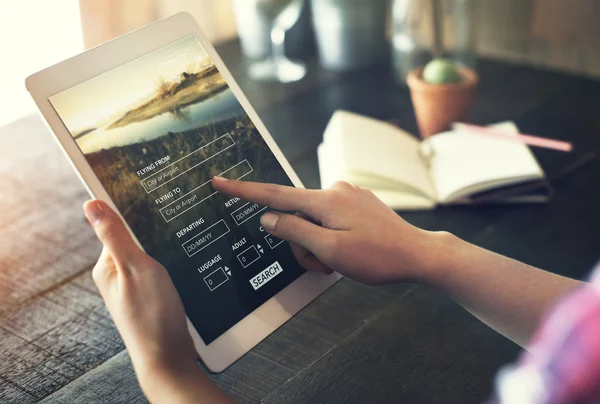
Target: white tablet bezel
251 330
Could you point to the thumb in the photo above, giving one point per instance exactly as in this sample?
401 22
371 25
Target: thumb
296 229
110 230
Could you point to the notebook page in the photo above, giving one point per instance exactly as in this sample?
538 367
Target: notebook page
465 163
366 147
401 198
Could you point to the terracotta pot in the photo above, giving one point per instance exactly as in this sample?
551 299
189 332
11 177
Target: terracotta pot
437 106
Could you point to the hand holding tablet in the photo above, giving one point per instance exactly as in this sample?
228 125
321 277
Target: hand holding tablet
357 231
147 120
148 313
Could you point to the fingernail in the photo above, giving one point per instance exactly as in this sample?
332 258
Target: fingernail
93 211
269 220
219 179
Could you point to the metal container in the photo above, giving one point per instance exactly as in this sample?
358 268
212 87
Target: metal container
350 34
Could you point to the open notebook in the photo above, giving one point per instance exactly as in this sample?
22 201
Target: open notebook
449 168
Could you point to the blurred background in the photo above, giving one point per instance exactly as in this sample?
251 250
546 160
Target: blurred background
556 34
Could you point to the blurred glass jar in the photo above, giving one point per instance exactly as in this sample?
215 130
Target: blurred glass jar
254 30
413 33
350 34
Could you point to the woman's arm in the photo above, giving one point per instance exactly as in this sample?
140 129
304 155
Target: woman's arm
149 315
179 383
363 239
505 294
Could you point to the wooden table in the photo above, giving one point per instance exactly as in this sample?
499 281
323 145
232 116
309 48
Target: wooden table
355 344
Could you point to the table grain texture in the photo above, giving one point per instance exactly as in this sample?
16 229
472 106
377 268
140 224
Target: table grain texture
355 344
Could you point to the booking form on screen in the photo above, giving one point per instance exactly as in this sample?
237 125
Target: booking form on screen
155 131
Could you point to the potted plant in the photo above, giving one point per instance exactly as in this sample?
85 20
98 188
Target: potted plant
442 92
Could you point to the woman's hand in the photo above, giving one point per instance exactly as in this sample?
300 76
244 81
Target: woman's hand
139 294
149 315
345 228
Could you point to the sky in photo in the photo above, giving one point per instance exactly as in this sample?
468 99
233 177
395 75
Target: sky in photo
103 99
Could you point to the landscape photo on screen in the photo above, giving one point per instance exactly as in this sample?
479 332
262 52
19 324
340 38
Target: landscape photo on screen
155 131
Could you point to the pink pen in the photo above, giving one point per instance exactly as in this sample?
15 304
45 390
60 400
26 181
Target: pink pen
521 138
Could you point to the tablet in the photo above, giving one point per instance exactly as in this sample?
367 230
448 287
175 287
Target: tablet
147 120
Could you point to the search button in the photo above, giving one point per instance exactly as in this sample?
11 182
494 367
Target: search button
266 275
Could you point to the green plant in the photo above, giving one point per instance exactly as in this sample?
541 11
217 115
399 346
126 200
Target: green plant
441 71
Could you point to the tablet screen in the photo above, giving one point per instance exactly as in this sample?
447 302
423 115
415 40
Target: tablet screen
155 131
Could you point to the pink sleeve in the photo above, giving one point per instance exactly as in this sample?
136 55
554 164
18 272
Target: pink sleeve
562 364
